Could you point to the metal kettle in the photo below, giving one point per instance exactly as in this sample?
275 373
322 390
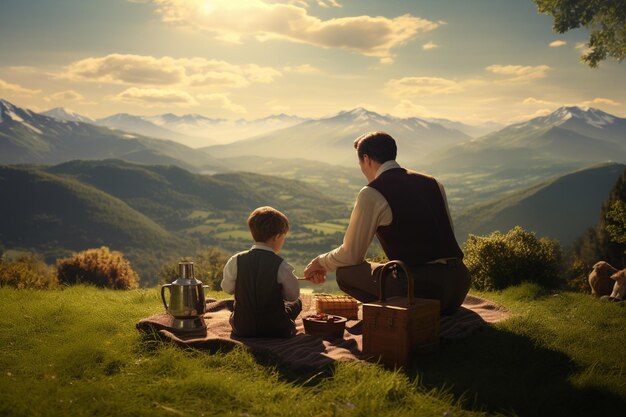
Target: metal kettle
186 294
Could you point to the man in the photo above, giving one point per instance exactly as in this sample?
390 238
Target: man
409 214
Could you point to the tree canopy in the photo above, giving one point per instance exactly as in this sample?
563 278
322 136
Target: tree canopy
605 18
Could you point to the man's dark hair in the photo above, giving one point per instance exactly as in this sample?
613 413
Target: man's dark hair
379 146
267 222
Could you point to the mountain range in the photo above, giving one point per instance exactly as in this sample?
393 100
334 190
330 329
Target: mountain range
32 138
569 134
330 139
320 152
192 130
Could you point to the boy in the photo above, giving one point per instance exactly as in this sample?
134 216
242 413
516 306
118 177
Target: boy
265 287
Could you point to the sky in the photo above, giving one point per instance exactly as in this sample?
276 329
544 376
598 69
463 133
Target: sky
473 61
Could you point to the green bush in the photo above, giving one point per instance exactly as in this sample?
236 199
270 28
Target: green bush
100 267
577 276
208 267
500 260
27 271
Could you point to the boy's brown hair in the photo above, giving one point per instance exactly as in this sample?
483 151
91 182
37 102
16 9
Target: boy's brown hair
267 222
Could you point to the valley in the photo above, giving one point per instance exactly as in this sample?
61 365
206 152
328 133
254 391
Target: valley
74 184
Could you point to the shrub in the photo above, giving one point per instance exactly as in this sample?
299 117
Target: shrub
100 267
208 267
500 260
27 271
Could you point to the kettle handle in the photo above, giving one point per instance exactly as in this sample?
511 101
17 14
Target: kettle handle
163 287
393 266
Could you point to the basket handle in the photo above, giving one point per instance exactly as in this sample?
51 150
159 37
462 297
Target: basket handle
393 266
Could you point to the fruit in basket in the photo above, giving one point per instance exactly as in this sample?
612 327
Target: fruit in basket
322 324
322 317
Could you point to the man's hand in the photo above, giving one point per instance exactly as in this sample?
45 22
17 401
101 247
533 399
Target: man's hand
315 272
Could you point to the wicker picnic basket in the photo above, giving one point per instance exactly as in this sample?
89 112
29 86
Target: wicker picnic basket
395 328
337 305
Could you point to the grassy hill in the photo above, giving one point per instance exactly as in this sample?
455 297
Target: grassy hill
76 352
156 213
562 207
170 195
54 215
335 181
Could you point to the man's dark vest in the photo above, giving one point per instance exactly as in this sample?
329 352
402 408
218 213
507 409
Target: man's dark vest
420 231
259 306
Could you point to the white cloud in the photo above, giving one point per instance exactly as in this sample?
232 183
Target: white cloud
302 69
583 47
538 102
519 73
167 71
70 95
222 101
557 43
526 117
128 69
406 108
422 86
156 97
600 101
429 45
8 88
305 3
233 20
277 107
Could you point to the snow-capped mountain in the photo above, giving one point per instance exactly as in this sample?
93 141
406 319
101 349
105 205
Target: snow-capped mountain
61 113
12 117
29 137
144 126
195 130
474 131
594 117
329 139
567 134
222 130
185 122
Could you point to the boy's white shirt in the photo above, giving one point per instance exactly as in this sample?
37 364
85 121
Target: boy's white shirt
285 276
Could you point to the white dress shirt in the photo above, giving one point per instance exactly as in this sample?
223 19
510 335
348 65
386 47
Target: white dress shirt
370 211
285 276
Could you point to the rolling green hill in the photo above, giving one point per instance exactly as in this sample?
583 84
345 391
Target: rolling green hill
561 208
170 195
155 213
55 215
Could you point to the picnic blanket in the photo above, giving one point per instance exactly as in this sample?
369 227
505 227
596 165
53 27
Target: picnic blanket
303 352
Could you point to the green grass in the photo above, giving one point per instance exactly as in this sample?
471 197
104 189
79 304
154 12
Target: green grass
326 227
234 234
76 352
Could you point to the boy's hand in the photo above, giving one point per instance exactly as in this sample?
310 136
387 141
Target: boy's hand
315 272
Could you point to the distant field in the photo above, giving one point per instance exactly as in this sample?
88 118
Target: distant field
233 234
328 227
199 214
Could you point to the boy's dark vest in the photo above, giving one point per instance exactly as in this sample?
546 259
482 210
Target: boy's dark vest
259 306
420 231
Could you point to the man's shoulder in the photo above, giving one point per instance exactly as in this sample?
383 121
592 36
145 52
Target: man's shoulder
420 174
369 193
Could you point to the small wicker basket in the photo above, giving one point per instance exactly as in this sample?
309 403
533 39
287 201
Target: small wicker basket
338 305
